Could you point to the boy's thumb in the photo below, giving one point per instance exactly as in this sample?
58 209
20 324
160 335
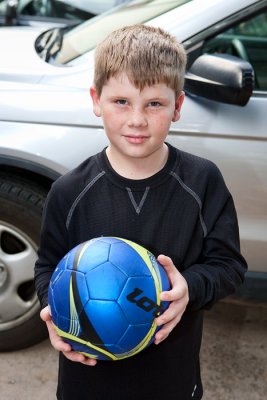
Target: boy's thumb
45 314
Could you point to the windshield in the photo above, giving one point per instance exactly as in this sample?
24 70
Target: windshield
87 35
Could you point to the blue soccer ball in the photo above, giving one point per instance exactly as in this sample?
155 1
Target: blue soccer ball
104 296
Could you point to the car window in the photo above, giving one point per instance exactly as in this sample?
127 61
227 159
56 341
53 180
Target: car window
2 7
52 9
86 36
247 40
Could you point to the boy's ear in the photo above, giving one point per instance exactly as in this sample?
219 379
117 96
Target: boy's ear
178 105
96 100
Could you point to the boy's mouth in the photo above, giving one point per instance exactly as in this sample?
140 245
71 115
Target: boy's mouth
136 139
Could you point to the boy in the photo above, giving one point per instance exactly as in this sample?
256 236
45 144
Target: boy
142 189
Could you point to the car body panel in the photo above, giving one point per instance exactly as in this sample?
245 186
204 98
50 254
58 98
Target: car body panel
22 62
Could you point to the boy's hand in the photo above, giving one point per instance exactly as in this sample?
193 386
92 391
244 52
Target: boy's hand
178 296
58 343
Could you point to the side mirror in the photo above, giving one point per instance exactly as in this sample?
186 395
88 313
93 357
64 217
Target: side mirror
222 78
11 12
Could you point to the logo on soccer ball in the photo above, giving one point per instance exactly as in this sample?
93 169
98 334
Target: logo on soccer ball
145 303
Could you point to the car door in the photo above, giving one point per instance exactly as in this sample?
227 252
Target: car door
235 137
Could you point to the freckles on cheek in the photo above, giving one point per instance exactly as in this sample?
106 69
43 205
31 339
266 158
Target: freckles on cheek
109 118
162 127
107 113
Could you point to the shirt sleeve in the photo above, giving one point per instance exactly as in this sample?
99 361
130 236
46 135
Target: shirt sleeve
53 242
221 267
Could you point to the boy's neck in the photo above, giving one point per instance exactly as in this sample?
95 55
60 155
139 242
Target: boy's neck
137 168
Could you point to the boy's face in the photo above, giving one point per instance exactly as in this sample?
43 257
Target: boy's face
136 122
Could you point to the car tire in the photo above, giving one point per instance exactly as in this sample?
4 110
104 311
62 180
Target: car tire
21 205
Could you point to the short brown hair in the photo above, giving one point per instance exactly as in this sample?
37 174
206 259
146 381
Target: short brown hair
146 54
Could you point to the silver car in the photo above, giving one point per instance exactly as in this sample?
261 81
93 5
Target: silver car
50 12
47 126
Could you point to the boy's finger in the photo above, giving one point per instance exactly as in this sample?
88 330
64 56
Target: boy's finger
77 357
45 315
173 313
164 332
165 261
171 270
56 341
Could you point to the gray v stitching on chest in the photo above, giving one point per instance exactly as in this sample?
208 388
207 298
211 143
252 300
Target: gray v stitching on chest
79 197
197 199
139 206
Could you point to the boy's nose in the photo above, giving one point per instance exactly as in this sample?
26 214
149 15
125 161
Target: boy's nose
137 118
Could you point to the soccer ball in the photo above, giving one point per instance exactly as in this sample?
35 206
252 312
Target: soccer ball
104 298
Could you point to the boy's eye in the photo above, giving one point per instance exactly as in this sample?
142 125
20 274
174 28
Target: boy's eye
154 104
121 102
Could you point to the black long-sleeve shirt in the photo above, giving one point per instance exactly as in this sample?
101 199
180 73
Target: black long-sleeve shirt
186 212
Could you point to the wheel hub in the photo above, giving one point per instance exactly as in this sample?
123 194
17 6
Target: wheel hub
3 274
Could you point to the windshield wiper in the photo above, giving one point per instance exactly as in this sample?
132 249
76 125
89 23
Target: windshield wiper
49 44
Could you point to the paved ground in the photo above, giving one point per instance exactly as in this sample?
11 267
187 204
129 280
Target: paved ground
234 359
234 352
